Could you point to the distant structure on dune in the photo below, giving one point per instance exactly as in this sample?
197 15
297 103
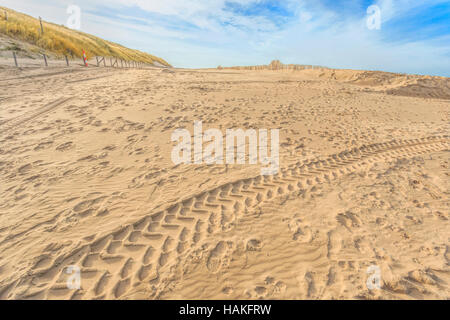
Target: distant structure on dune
275 65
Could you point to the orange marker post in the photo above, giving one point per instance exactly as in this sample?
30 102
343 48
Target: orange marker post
85 59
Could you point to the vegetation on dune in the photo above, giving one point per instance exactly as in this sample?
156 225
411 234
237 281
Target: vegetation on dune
274 65
62 41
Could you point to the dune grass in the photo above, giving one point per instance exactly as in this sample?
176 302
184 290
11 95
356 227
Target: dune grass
61 40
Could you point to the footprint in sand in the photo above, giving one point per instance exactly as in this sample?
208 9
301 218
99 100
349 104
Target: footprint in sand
300 232
219 257
65 146
334 245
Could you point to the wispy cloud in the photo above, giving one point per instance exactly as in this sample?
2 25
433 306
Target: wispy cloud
414 35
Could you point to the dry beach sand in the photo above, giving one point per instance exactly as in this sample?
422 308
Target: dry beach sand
86 179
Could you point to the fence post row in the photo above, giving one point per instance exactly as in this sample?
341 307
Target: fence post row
123 63
115 63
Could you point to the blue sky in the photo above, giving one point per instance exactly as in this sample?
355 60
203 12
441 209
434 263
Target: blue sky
414 36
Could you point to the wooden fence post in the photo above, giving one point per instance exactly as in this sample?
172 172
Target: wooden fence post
45 60
6 15
42 27
15 59
67 60
100 61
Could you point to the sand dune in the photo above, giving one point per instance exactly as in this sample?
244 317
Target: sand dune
385 82
87 180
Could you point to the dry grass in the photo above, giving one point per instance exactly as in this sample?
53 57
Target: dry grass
61 40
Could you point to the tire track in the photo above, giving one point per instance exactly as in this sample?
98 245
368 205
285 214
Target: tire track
14 122
146 250
89 79
46 74
61 75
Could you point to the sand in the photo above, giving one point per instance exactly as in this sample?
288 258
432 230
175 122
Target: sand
87 180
